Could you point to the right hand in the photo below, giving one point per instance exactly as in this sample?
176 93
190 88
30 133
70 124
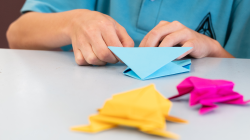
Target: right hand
91 33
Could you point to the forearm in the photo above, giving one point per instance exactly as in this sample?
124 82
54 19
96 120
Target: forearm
40 31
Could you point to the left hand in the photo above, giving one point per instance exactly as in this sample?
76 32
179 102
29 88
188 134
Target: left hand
170 34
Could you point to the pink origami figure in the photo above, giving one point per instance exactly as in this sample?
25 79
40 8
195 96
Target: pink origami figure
207 92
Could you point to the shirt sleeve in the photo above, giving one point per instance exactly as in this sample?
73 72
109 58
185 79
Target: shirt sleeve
238 34
53 6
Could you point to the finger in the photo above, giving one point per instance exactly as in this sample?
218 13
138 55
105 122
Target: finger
187 44
123 36
125 39
158 34
115 36
178 37
91 57
99 46
79 58
143 42
87 52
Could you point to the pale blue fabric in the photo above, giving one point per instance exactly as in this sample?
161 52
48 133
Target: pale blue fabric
230 18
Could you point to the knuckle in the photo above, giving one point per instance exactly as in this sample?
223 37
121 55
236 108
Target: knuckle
114 43
177 23
163 22
215 42
104 56
105 23
117 44
129 43
80 61
92 60
122 28
155 33
187 31
90 29
191 43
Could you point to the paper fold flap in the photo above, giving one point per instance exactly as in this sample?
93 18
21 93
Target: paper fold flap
146 60
174 67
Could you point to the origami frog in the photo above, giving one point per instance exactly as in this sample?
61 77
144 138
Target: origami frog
208 92
144 108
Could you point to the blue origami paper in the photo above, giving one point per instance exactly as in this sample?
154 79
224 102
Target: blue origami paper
152 62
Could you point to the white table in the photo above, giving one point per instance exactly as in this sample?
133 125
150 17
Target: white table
44 93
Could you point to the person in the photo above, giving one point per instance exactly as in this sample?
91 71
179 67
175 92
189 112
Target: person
213 28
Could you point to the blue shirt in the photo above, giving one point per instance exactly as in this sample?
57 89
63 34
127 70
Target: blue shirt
227 21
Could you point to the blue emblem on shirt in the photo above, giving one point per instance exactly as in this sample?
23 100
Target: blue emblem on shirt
206 27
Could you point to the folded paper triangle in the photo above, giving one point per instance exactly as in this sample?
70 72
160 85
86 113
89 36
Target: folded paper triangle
144 108
152 62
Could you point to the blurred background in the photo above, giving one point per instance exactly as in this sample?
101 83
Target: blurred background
9 11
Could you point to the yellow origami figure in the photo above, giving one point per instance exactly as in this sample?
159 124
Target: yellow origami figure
144 108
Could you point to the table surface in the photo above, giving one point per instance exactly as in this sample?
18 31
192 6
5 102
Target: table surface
44 93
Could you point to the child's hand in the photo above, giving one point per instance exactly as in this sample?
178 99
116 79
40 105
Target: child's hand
91 32
167 34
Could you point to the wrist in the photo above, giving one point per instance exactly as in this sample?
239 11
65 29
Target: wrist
219 51
216 48
72 18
